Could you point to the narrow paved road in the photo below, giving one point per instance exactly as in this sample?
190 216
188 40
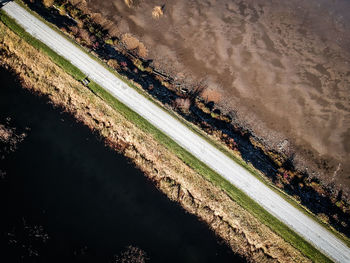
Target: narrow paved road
238 176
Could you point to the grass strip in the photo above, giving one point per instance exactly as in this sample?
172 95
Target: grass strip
59 60
236 194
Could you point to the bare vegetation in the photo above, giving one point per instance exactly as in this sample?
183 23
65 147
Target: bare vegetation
98 18
85 36
132 43
113 63
75 2
132 3
48 3
157 12
106 24
81 5
80 23
5 134
74 29
129 3
183 104
62 11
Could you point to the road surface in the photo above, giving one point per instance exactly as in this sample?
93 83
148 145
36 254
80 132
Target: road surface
237 175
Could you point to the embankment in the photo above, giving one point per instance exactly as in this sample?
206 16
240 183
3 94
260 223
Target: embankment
275 167
242 232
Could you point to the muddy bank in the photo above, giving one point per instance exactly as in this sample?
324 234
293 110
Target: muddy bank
170 174
282 66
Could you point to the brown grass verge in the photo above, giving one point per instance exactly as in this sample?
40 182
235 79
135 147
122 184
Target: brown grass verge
242 231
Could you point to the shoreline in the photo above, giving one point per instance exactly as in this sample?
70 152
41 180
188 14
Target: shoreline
233 226
278 169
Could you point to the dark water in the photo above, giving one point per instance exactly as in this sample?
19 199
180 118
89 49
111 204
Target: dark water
64 184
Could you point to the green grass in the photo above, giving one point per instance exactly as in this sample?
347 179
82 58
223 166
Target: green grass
237 195
60 61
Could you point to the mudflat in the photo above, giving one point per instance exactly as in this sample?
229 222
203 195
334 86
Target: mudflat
282 67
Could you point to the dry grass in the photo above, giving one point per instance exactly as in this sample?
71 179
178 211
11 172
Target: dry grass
48 3
242 231
132 43
113 63
62 11
157 12
5 133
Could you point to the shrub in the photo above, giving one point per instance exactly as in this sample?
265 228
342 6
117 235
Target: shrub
98 19
62 11
129 3
111 28
80 23
113 63
92 38
132 3
183 104
85 36
132 43
109 41
48 3
138 63
157 12
74 30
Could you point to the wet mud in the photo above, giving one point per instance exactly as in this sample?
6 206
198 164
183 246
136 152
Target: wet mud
281 66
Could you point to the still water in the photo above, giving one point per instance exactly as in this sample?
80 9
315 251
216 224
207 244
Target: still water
67 198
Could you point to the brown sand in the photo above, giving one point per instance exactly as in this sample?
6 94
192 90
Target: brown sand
283 66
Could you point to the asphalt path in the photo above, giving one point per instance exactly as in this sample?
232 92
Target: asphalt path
306 227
